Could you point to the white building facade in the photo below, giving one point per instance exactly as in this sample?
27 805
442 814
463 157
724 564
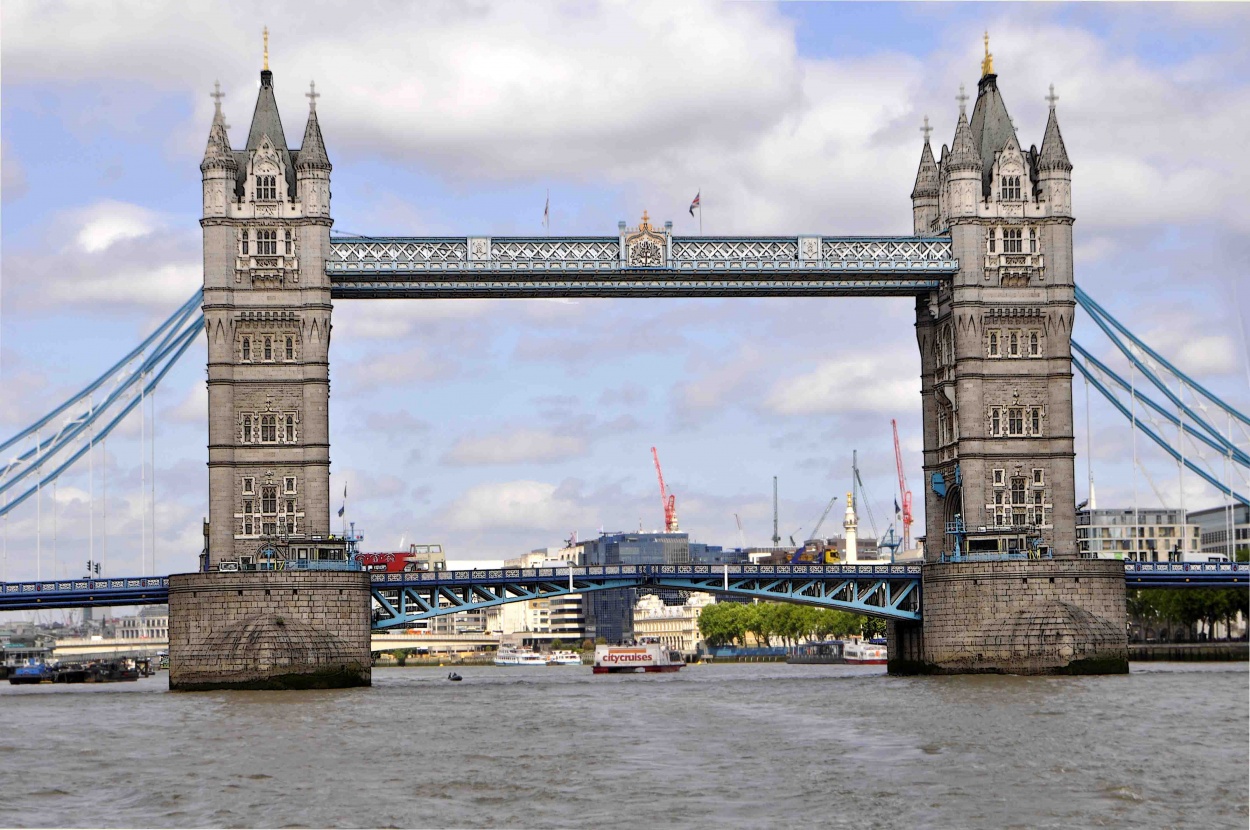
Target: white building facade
676 626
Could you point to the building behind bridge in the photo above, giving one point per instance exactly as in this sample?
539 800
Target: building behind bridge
1162 534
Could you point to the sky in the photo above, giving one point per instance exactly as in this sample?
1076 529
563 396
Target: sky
497 427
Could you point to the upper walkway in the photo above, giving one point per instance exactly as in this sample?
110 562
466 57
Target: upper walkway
609 266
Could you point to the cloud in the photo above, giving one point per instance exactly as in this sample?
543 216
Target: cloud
517 446
861 383
523 505
108 222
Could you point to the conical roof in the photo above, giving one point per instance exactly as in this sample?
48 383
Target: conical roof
991 126
218 153
266 122
1053 155
926 175
312 153
964 155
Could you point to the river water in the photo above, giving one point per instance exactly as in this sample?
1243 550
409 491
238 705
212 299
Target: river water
760 745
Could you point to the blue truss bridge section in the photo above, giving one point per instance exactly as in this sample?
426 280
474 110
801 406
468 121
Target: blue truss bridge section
890 591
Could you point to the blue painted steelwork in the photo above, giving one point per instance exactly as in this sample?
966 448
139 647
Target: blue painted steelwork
891 591
1186 574
84 593
447 267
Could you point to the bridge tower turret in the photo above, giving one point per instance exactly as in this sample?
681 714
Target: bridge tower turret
996 393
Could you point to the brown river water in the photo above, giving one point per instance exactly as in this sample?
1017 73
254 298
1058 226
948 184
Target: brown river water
760 745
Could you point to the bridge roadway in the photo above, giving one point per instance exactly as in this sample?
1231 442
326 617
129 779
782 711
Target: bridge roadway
882 590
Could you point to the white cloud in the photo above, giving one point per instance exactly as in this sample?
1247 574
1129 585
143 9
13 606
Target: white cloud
108 222
515 505
857 383
517 446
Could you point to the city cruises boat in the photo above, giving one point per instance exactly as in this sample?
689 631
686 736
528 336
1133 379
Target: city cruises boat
824 652
518 656
564 658
862 652
643 657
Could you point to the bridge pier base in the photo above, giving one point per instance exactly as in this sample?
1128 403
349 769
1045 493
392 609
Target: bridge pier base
269 630
1061 616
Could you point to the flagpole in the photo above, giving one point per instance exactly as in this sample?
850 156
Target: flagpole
700 192
547 212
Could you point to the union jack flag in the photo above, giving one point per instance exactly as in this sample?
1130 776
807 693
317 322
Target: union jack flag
695 203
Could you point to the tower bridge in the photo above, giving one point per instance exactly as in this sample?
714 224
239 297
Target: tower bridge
990 270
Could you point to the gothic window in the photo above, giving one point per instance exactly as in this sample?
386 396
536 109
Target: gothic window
994 350
268 348
999 473
1039 477
266 243
1015 421
247 429
996 421
1035 420
1012 241
290 348
944 427
267 188
244 243
248 517
290 506
1032 240
269 500
287 247
992 245
288 433
268 429
288 484
1013 344
249 485
1017 490
247 349
1035 345
1009 187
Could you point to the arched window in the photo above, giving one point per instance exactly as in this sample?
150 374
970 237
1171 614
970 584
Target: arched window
267 187
290 348
992 243
1032 240
288 433
266 243
268 349
1013 345
1035 346
1035 418
269 429
287 249
994 344
1010 187
269 500
244 243
247 348
247 429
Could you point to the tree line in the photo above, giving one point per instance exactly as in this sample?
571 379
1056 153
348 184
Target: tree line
1181 614
787 624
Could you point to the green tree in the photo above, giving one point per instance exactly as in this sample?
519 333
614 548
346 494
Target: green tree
557 644
588 644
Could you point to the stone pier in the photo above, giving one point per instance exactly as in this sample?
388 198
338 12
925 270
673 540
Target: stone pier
269 630
1018 617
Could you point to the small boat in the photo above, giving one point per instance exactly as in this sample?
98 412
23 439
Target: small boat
70 673
518 656
455 678
30 673
643 657
861 652
564 658
822 653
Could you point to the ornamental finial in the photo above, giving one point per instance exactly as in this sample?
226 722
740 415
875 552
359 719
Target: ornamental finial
962 98
645 224
987 64
1052 98
926 129
266 35
217 95
312 95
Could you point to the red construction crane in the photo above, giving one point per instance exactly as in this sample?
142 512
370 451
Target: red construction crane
667 499
903 492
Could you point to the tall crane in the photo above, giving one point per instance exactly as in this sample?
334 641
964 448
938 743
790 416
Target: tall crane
903 492
666 498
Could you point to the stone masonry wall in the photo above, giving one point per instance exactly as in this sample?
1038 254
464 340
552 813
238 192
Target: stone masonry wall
1031 617
269 629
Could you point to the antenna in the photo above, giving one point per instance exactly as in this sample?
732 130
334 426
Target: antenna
776 535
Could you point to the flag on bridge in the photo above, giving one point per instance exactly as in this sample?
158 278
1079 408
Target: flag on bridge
695 203
547 214
343 509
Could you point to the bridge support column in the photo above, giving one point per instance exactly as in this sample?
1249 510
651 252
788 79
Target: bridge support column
269 630
1062 616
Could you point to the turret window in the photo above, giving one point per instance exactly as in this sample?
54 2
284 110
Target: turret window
1016 421
266 243
287 249
247 429
1032 240
994 350
1010 187
267 188
245 243
268 349
1035 347
288 433
993 246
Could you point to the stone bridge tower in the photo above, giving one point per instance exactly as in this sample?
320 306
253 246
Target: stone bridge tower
267 317
996 390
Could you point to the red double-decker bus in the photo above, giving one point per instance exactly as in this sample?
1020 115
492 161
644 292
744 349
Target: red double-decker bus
417 559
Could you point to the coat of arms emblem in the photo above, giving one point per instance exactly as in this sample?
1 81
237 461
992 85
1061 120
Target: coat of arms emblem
645 247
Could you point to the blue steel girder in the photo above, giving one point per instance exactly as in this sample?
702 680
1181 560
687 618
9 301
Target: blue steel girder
1186 574
477 267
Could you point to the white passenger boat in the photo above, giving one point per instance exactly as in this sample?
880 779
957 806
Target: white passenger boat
643 657
518 656
864 653
564 658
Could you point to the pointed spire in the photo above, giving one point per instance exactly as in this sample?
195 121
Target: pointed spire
1053 155
312 153
927 174
964 155
217 153
987 63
